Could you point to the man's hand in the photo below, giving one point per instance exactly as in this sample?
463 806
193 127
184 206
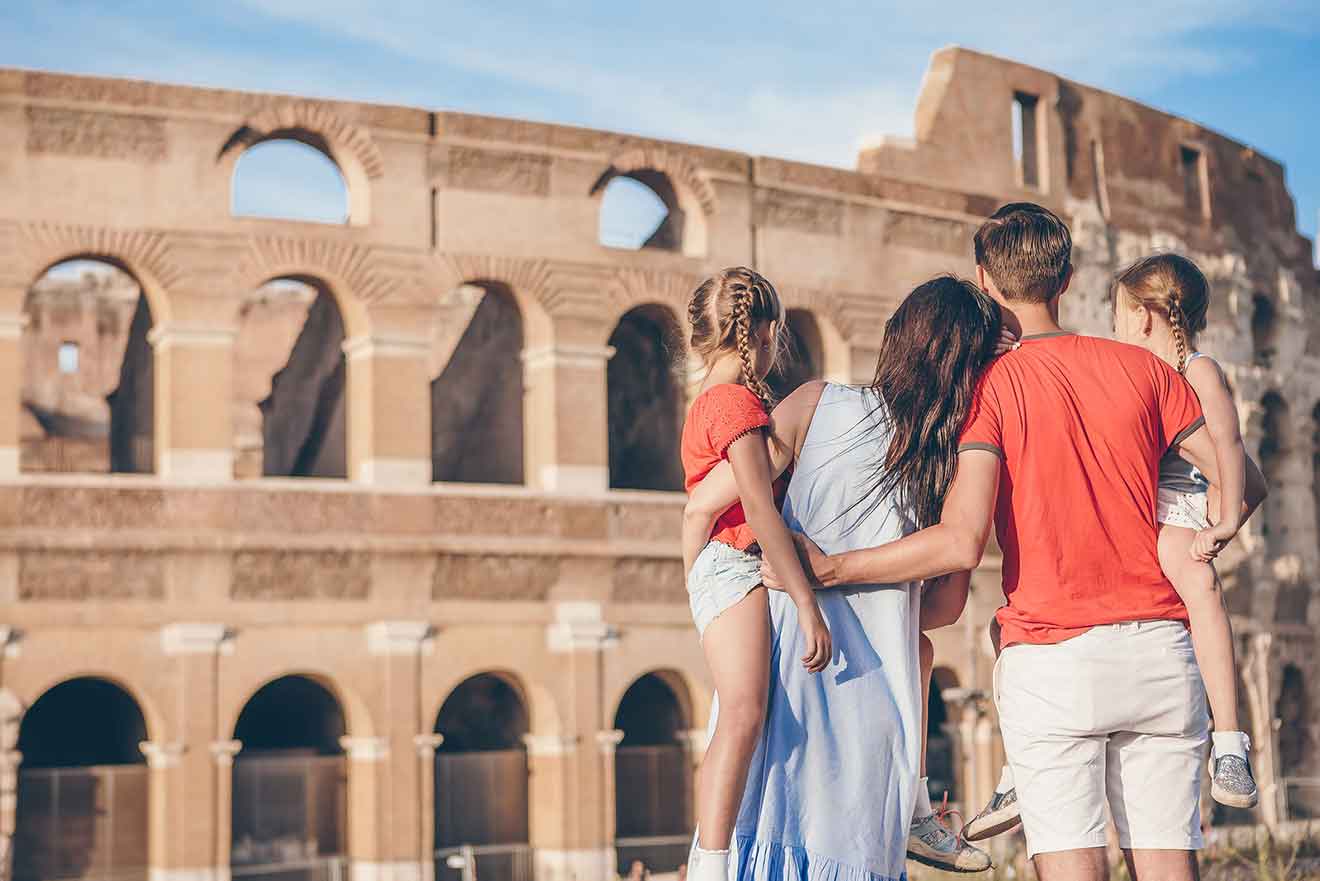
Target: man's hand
815 563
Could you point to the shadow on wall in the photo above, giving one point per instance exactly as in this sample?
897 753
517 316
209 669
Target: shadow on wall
645 401
477 400
304 420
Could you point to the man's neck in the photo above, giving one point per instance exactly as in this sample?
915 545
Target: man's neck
1031 319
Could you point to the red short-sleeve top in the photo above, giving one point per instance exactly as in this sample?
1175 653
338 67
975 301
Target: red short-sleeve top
718 417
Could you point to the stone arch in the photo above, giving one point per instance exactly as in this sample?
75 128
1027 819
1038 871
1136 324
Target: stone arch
142 254
653 784
677 182
350 147
801 353
1264 329
357 717
287 179
82 793
826 313
527 281
348 272
1276 445
481 769
88 393
290 775
477 387
645 400
144 700
298 425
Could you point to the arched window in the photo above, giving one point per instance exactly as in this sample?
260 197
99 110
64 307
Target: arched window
639 210
293 327
652 785
477 395
290 777
1264 330
82 789
87 401
287 179
1292 713
941 770
1275 446
481 781
645 401
801 355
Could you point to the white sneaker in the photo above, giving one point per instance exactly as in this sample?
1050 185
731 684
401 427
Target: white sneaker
932 844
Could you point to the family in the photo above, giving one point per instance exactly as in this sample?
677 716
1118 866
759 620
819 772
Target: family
825 532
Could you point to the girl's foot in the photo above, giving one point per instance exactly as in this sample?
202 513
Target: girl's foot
1231 782
997 817
931 843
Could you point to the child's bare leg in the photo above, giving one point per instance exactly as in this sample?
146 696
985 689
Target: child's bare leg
737 648
1212 634
926 653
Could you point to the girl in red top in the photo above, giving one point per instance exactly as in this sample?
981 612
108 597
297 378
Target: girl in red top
736 319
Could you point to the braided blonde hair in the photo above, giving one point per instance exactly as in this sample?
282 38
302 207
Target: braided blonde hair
1172 286
723 312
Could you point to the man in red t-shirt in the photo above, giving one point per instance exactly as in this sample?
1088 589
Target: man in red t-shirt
1097 688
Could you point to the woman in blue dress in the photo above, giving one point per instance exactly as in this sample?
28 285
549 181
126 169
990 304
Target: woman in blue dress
834 791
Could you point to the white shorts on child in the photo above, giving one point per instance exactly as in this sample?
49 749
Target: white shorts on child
720 578
1188 510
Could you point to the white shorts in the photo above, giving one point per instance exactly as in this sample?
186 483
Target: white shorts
1188 510
1117 713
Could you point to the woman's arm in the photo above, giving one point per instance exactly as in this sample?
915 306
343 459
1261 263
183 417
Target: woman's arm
1221 421
943 599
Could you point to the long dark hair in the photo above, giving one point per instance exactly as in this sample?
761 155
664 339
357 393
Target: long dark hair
936 344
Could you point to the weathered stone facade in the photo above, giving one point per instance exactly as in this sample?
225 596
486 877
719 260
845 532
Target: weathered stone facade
195 585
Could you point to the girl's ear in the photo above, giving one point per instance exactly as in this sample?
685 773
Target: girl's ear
1147 320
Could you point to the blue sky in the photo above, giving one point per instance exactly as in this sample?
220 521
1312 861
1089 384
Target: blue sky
807 81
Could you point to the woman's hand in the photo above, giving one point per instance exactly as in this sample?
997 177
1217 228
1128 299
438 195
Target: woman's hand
815 563
820 646
1008 341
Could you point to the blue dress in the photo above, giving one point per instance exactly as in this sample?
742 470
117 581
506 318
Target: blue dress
832 786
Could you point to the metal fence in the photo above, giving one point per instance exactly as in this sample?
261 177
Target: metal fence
87 823
289 818
652 815
491 862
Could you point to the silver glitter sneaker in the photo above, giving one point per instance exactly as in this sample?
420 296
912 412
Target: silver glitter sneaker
932 844
997 817
1231 782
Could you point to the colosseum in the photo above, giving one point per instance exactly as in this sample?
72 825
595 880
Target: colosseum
349 551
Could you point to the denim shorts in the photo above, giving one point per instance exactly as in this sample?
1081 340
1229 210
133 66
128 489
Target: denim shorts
1187 510
720 578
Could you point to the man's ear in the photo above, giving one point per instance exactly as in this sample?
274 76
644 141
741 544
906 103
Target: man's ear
1067 280
982 280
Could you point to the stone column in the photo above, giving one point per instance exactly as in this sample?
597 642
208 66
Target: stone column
565 418
389 410
10 759
1256 676
695 741
194 431
366 773
222 755
425 746
399 647
572 799
166 837
11 388
608 744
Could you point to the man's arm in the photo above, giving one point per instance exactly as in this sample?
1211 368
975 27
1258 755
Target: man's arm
952 545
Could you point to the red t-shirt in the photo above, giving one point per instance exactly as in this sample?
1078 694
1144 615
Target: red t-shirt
718 417
1079 424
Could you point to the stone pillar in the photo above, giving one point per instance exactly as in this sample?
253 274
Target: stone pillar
425 746
389 410
222 755
695 741
10 759
572 798
1256 676
608 744
366 774
166 837
399 647
186 782
11 389
565 418
194 431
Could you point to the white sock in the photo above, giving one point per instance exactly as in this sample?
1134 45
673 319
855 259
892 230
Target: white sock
1005 780
923 809
708 865
1230 743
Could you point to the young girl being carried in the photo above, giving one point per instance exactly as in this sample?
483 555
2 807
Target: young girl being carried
736 319
1160 304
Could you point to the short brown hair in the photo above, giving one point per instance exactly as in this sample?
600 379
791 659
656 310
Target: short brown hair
1027 250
